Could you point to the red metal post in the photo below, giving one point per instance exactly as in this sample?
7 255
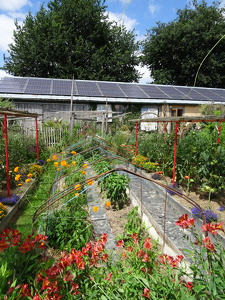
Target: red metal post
5 135
218 133
37 142
175 154
137 128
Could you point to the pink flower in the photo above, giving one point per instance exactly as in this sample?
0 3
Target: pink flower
146 293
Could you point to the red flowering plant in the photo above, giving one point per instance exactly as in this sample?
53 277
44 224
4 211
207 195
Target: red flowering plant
207 259
20 257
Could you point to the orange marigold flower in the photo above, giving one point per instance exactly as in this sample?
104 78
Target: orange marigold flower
27 180
77 194
16 169
19 184
58 169
83 172
95 208
48 160
54 157
63 163
77 187
108 204
73 152
85 166
90 182
73 163
17 177
56 164
29 175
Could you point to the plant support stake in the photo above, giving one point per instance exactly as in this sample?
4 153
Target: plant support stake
175 154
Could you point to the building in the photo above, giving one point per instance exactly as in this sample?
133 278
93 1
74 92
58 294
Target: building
58 98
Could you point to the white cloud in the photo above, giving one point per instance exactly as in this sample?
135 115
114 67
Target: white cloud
6 31
17 15
145 73
13 5
123 19
3 74
153 8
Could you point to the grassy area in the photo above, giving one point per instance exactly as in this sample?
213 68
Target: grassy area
22 221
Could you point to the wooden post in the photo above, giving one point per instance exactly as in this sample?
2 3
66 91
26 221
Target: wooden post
37 141
175 154
5 135
137 128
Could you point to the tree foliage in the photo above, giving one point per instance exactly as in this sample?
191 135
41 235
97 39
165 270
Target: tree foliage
175 51
73 38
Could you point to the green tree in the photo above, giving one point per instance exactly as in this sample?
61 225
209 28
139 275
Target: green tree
73 38
174 52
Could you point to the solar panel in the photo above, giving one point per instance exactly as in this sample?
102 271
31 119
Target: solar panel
191 93
110 89
219 94
154 92
61 87
132 90
38 86
13 85
87 88
210 94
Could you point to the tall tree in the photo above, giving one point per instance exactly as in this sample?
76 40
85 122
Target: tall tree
73 38
178 51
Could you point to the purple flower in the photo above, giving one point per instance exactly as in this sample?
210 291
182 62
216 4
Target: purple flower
9 200
40 162
221 208
209 214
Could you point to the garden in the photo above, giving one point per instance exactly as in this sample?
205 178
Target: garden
50 249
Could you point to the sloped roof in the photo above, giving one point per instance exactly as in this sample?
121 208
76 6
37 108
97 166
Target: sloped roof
25 86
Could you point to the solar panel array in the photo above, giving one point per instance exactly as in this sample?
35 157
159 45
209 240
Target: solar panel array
63 87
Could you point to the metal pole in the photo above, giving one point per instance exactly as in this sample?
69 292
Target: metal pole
71 108
175 154
5 134
37 141
136 152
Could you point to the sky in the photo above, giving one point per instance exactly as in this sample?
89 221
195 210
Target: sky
137 15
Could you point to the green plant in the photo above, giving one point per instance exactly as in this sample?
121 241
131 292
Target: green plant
115 187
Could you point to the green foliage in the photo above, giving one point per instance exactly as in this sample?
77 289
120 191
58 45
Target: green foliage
174 51
6 103
212 109
73 38
115 188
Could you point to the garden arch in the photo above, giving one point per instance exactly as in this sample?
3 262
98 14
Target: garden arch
13 114
177 121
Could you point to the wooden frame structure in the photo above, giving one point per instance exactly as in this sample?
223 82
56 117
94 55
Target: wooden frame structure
177 120
14 114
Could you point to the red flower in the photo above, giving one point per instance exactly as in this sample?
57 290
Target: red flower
147 244
146 293
212 228
134 236
184 222
189 285
186 177
109 277
120 243
208 244
27 245
3 245
160 172
25 291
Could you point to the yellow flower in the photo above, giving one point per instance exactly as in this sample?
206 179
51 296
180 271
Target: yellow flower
58 169
29 175
16 169
85 166
54 157
83 172
48 160
56 164
77 187
17 177
63 163
63 152
73 163
108 204
90 182
19 184
27 180
77 194
95 208
73 152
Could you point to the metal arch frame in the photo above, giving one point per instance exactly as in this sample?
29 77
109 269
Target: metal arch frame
14 113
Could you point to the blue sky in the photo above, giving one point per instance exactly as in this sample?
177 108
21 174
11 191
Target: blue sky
137 15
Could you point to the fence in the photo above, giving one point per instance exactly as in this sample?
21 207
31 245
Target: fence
52 135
